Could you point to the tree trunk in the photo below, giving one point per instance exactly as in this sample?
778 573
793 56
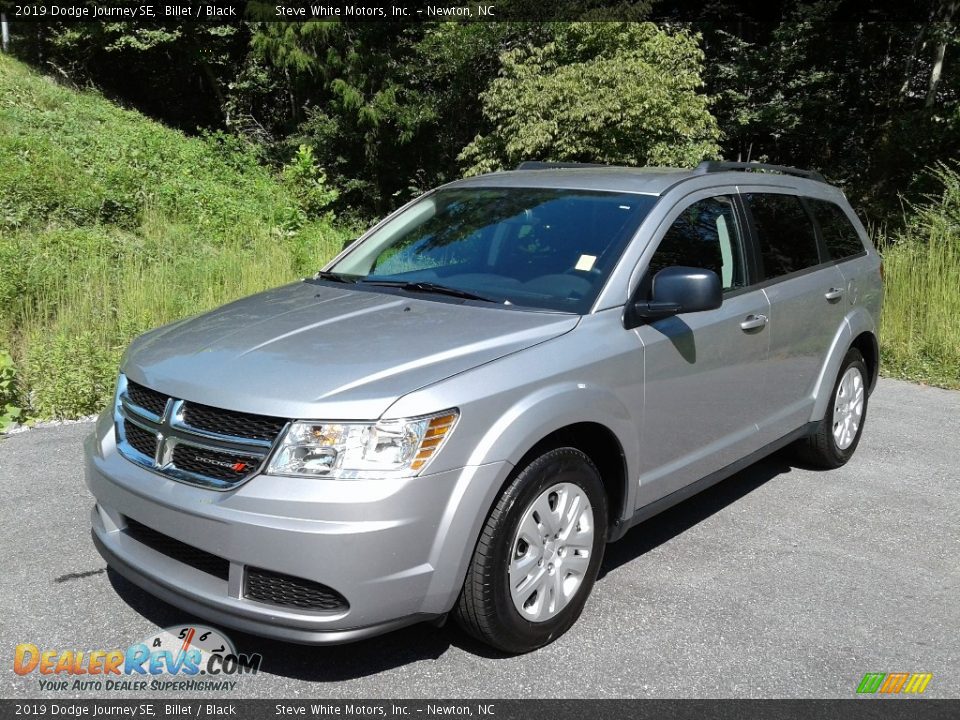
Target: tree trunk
915 47
936 72
949 9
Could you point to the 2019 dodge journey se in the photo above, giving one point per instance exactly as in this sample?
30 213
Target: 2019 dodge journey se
472 399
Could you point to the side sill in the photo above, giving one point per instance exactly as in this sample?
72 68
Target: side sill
678 496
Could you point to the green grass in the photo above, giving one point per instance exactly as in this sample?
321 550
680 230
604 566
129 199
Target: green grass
111 224
920 327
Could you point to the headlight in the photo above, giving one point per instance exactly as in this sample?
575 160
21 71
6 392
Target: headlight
390 448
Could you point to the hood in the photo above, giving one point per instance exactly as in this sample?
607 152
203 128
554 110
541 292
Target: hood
320 351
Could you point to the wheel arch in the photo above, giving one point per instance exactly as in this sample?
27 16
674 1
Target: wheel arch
869 346
857 330
601 445
589 418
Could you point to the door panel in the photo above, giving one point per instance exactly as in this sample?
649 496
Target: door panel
703 372
803 322
703 393
805 292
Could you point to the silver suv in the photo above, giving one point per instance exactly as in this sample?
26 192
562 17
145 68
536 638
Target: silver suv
471 400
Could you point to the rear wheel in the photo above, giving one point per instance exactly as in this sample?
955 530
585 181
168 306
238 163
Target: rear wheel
538 555
838 434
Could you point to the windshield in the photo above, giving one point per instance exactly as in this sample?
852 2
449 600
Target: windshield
541 248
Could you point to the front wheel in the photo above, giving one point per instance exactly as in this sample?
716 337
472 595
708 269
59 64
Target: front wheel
538 555
838 434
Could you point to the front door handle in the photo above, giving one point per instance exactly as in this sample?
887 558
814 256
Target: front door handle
753 322
833 294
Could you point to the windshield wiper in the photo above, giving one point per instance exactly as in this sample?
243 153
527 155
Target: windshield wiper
335 277
429 287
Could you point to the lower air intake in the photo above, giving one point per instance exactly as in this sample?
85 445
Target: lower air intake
179 551
278 589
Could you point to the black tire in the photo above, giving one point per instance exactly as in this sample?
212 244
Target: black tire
820 449
485 608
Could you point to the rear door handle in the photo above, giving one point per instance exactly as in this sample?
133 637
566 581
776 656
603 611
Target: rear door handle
752 322
833 294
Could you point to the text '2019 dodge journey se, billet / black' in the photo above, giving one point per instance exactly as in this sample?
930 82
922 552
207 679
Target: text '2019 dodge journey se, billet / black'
471 400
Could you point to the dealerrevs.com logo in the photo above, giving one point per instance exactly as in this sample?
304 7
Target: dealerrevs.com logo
184 658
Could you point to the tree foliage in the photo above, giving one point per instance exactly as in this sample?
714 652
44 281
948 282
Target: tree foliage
598 92
175 71
386 109
389 109
852 99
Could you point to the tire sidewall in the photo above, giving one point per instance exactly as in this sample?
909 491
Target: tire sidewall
564 465
852 359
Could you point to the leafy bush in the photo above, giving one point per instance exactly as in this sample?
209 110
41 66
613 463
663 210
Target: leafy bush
69 375
308 181
9 413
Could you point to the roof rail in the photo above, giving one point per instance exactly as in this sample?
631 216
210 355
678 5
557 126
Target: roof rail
539 165
710 166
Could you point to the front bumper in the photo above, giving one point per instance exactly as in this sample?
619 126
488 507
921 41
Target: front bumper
397 549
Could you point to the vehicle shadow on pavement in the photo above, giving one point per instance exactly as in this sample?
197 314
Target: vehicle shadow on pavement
661 528
426 641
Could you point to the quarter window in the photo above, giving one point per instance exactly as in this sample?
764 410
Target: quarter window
706 235
839 235
788 241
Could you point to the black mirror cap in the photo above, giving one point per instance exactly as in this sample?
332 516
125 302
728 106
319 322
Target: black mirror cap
693 289
675 290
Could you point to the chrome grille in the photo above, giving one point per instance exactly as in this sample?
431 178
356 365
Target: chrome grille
190 442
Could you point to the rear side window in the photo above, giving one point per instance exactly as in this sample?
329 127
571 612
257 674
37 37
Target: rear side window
839 235
785 233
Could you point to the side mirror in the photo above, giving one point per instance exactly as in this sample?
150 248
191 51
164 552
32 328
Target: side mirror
676 290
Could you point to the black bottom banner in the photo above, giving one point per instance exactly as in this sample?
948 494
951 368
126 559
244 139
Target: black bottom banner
907 709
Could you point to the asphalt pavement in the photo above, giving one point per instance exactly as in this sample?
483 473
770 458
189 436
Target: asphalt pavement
779 582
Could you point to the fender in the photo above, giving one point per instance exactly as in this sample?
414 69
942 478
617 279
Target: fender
857 321
494 459
551 408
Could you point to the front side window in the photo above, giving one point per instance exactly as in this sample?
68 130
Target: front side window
540 248
705 235
785 232
839 235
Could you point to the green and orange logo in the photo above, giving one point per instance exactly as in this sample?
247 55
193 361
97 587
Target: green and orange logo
894 683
